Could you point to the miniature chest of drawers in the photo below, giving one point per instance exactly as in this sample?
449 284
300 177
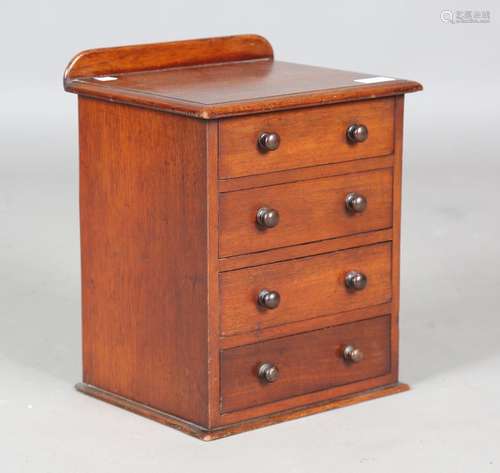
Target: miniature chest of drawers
240 228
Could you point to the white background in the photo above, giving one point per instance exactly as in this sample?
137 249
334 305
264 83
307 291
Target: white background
450 320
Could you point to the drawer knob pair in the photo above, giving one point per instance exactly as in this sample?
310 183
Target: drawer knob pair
269 218
271 299
353 354
357 133
268 372
268 141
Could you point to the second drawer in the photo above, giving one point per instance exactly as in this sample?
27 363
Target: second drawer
306 288
310 210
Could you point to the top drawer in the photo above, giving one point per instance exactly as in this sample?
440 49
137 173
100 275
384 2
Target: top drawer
308 137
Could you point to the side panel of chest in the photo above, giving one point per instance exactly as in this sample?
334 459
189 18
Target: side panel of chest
144 231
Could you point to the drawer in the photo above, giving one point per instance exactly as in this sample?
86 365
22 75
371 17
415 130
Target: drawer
310 210
305 363
308 137
308 287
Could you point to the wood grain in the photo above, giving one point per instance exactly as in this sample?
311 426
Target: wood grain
306 249
297 413
234 88
172 260
144 281
213 276
396 251
241 426
308 137
307 362
311 210
300 401
151 57
309 287
301 326
303 174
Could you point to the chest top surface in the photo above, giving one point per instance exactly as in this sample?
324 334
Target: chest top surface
218 77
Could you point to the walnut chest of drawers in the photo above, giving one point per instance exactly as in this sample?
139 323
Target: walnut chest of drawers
240 228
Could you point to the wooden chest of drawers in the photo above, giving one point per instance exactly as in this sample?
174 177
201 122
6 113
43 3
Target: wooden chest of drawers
240 227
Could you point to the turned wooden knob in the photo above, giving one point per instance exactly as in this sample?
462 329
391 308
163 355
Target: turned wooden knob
355 202
269 299
355 280
357 133
352 354
268 141
268 218
268 372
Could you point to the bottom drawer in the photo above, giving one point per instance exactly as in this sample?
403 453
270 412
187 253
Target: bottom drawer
304 363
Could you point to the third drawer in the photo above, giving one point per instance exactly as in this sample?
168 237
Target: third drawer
309 210
307 287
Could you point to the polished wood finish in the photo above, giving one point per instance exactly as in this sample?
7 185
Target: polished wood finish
291 328
302 174
213 276
309 210
171 178
308 137
155 76
307 362
242 426
306 249
309 287
152 57
263 78
396 229
140 274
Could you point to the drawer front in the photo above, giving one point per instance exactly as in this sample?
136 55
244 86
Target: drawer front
307 287
309 211
306 363
307 137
